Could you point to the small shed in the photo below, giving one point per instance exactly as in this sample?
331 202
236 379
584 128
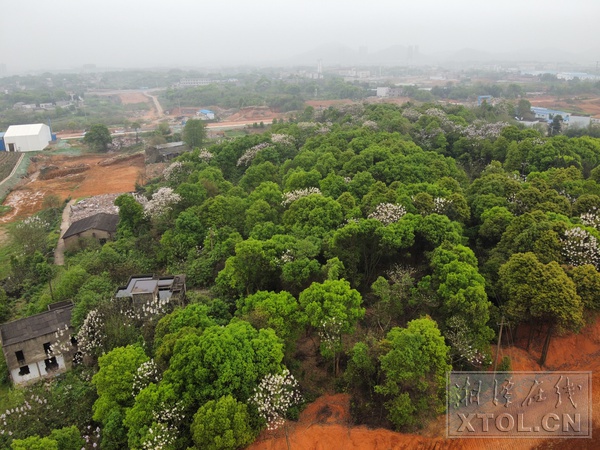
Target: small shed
101 227
206 114
165 152
27 138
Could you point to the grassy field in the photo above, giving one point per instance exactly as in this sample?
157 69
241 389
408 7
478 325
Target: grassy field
9 184
7 163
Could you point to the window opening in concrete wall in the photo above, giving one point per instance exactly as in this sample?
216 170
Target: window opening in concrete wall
51 364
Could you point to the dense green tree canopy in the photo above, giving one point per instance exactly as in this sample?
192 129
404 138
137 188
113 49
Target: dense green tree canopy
194 133
98 137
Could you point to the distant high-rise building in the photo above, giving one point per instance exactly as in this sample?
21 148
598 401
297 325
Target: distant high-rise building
3 70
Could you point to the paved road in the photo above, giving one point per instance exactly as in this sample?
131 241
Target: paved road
59 251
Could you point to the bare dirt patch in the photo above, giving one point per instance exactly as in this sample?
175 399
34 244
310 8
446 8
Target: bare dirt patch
580 105
128 98
325 423
117 177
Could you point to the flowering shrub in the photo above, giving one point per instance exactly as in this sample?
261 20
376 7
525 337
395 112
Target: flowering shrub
147 373
165 429
330 334
92 440
174 171
251 153
284 139
205 156
480 130
388 213
579 247
161 202
411 114
370 124
591 219
274 396
440 204
290 197
91 336
462 346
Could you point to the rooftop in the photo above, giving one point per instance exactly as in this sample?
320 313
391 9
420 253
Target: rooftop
100 221
24 130
140 284
35 326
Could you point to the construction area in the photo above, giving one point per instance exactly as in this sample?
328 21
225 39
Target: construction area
72 177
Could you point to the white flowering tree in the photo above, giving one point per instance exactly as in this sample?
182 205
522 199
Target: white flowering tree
388 213
30 235
161 203
251 153
580 247
274 396
290 197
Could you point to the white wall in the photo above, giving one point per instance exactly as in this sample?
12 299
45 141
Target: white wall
30 143
34 374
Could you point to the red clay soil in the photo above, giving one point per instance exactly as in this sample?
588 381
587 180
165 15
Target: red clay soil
28 197
325 424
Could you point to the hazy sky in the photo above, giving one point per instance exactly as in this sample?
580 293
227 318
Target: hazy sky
145 33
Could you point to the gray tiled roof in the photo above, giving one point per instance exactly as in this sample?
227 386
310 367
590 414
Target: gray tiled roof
39 325
100 221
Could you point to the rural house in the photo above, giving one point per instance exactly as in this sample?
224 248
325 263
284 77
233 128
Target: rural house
101 227
165 152
39 346
144 290
27 138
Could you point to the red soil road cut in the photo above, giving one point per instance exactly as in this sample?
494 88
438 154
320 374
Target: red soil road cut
325 424
119 176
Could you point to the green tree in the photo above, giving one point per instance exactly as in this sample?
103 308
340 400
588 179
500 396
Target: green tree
228 360
333 308
136 126
538 292
222 425
114 384
555 126
587 282
415 373
35 443
98 137
68 438
131 216
194 133
278 311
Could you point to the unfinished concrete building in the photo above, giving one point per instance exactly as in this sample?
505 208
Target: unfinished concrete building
39 346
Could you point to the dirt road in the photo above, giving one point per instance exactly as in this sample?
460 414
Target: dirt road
59 252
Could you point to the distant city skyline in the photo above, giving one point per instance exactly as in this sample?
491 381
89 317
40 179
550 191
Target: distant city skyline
64 35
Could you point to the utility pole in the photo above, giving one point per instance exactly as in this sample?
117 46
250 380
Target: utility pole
502 323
